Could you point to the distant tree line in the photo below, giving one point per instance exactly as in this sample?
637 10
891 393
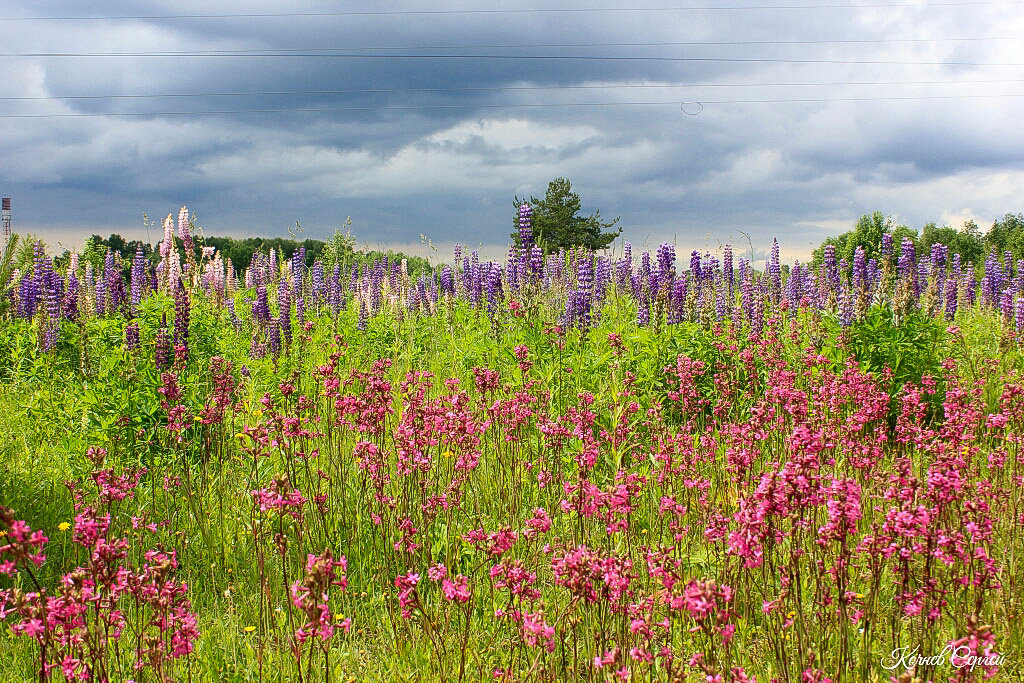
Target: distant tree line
1006 234
338 250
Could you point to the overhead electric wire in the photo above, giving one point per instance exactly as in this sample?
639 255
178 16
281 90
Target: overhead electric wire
544 10
674 43
505 106
627 58
499 88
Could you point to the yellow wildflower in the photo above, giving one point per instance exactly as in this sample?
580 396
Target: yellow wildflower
64 526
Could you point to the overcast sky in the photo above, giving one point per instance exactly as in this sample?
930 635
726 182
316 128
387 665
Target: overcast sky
698 122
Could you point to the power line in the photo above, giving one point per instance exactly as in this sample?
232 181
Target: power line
683 43
510 106
355 91
627 58
546 10
657 44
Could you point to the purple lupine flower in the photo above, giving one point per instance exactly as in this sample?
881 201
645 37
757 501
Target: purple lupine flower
50 332
261 306
831 268
318 284
874 274
525 230
494 293
645 265
747 291
677 300
695 266
951 298
727 269
993 272
39 272
475 285
394 272
138 281
182 318
860 269
1019 318
845 307
232 314
907 263
794 286
274 337
536 261
937 258
353 278
970 285
52 293
131 336
284 310
666 256
363 319
811 289
27 295
624 271
775 273
70 305
579 302
447 281
335 293
257 348
421 290
513 269
163 345
1006 304
719 297
433 287
643 312
921 281
112 279
636 286
886 245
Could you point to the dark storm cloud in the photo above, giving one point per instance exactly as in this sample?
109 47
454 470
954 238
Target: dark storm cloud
439 143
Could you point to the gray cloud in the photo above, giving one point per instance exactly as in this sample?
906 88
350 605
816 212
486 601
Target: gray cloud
436 146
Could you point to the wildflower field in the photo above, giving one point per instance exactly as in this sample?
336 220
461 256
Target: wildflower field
572 466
